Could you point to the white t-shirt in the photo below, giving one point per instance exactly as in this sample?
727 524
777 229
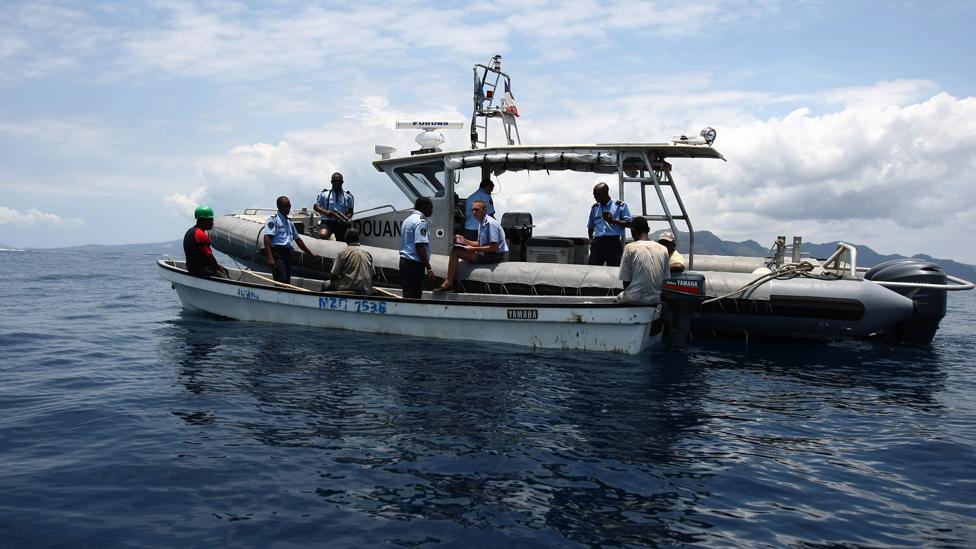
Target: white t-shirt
645 265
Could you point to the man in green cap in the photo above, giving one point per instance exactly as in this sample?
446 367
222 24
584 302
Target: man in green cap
200 260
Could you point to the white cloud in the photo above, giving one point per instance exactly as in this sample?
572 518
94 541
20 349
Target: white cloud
76 134
36 218
868 172
299 165
896 92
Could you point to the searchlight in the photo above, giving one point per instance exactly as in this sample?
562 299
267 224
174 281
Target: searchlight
705 137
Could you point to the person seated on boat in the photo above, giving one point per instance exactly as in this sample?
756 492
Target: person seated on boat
336 207
605 227
200 260
643 267
415 249
352 269
677 261
280 236
471 223
489 248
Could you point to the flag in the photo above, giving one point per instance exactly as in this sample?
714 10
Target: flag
508 101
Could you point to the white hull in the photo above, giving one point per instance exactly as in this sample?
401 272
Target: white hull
549 322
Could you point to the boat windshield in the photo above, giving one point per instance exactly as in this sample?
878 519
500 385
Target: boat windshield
422 179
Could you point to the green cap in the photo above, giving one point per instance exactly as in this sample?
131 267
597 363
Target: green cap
203 212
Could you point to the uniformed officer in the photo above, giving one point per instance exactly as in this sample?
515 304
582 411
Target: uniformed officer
280 237
471 222
336 206
489 248
605 227
415 249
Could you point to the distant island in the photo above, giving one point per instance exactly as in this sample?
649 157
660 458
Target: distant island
705 243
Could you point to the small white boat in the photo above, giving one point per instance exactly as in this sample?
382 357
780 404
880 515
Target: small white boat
549 322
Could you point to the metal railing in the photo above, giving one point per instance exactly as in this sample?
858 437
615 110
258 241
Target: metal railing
836 257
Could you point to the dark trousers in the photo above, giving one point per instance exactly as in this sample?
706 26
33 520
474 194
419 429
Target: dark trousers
412 278
338 228
282 269
606 249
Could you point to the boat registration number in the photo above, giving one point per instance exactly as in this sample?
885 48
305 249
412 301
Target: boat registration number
523 314
354 305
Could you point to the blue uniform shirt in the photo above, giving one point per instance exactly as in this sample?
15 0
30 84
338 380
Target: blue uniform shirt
491 231
618 210
413 231
339 202
282 231
470 223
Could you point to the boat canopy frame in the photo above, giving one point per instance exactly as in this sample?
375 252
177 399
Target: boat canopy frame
643 163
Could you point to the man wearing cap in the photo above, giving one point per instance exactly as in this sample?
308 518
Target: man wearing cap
280 237
677 261
605 227
336 207
352 269
200 260
643 267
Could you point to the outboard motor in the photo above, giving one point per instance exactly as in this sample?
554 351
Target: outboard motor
930 303
681 296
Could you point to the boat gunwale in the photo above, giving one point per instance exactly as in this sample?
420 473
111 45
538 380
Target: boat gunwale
514 304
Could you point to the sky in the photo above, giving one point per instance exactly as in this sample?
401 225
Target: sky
847 120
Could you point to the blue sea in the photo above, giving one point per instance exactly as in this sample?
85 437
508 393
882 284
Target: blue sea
125 422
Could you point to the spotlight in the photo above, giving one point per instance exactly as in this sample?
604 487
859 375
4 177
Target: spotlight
709 134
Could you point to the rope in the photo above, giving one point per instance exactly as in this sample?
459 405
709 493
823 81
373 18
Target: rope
786 272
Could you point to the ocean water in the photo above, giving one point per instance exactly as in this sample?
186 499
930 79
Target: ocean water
125 422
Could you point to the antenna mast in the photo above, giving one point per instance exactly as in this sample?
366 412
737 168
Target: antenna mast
487 79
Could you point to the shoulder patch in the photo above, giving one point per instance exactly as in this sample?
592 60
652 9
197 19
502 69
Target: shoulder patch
423 231
620 202
271 224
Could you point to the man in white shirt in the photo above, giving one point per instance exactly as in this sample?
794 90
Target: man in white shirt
643 267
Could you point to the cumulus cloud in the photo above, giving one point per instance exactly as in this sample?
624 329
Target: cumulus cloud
300 165
36 218
868 170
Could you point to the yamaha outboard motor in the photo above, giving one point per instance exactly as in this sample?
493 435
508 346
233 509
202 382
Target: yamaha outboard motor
930 303
681 296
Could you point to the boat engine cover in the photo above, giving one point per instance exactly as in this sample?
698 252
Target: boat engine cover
930 303
681 296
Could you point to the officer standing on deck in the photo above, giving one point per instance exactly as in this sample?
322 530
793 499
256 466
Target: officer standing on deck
280 237
336 207
415 249
605 227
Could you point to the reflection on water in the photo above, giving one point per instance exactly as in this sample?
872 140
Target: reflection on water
556 447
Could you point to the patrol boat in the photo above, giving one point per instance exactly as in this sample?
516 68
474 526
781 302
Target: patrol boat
546 322
785 295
